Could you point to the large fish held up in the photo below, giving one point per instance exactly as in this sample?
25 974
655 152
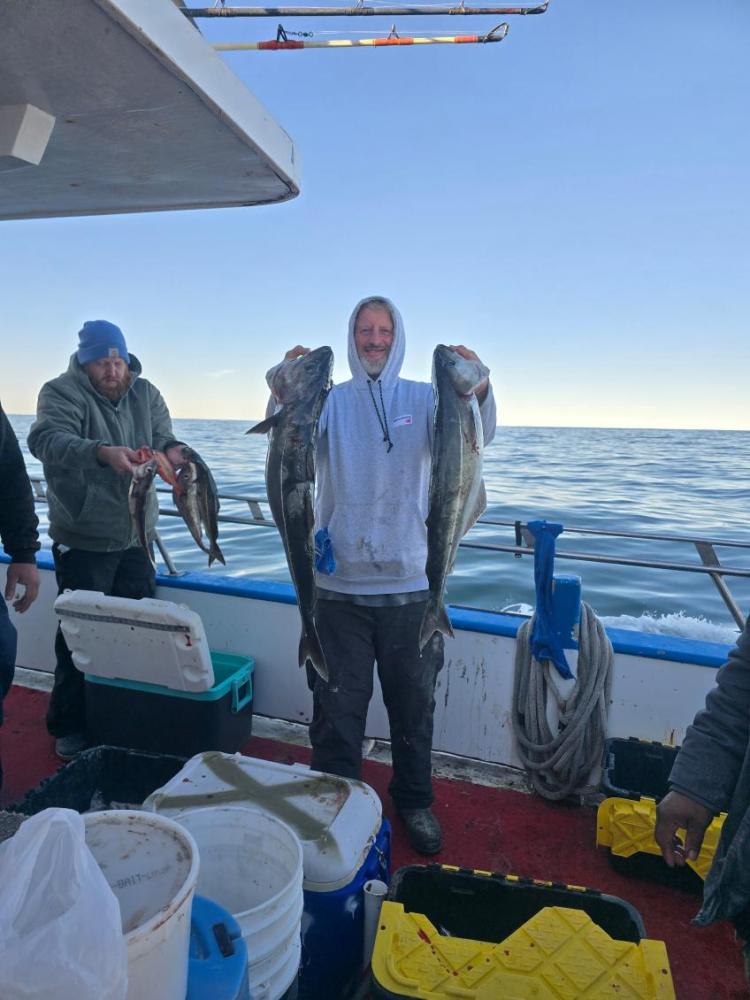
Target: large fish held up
457 494
301 386
196 498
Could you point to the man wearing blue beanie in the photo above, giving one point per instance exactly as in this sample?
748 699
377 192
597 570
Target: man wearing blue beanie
90 421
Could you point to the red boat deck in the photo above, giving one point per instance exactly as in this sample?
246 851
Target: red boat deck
487 828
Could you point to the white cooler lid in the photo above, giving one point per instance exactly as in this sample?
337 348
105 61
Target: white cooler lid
336 819
149 641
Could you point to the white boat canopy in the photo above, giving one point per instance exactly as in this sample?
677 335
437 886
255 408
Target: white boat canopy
122 106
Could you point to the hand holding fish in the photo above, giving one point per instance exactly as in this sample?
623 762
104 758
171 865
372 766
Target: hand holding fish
296 352
176 456
121 459
480 390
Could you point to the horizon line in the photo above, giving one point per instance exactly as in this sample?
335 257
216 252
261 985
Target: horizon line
565 427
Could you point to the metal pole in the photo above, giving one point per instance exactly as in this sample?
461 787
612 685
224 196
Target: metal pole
357 11
709 558
171 568
611 560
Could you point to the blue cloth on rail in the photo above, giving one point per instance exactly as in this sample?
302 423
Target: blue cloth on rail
545 641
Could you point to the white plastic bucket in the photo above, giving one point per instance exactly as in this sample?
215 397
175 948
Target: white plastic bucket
251 864
151 864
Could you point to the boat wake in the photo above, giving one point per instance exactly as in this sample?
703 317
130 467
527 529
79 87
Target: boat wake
679 624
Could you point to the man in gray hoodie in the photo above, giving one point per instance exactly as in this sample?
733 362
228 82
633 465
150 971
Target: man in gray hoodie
90 422
373 474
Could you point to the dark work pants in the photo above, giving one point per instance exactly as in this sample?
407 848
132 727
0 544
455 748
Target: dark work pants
353 639
127 573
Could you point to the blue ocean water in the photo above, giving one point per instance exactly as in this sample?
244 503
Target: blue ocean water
651 481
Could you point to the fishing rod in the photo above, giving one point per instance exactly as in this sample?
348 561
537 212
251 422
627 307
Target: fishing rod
283 43
357 11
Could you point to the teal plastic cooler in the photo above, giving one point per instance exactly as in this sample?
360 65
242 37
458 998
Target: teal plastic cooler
152 717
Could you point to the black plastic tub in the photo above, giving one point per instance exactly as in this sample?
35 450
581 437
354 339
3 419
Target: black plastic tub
632 768
103 777
468 904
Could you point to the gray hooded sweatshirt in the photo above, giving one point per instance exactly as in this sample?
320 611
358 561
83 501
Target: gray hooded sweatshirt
374 502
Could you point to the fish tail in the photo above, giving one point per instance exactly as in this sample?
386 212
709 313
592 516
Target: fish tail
216 553
310 649
435 619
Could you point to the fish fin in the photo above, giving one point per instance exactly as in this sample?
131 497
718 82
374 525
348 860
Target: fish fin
435 619
216 553
165 468
310 649
265 425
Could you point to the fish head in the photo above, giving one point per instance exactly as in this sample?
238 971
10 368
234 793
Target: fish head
296 378
462 374
143 476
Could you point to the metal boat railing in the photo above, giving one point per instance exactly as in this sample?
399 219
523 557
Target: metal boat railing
709 566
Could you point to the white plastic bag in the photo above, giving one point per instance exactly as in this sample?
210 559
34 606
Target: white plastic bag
60 927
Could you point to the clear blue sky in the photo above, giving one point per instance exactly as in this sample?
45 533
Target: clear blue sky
572 203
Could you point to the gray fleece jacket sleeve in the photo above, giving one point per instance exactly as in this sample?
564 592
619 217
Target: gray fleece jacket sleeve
55 436
712 754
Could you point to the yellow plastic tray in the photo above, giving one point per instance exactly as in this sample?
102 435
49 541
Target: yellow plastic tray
626 827
560 954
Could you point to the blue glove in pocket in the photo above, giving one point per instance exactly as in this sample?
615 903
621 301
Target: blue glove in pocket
324 561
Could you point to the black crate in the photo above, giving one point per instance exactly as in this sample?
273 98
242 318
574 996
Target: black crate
99 777
633 768
468 904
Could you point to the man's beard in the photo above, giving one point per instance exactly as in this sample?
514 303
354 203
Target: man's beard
374 366
113 393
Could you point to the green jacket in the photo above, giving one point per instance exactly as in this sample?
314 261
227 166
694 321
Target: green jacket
88 501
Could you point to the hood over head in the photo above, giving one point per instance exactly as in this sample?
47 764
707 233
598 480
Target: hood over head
396 357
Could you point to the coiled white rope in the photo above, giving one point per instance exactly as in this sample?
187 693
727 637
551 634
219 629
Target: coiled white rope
559 764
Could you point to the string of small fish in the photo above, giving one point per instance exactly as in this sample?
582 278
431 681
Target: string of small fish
193 491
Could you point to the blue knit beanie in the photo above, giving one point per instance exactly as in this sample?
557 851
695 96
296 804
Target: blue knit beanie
100 339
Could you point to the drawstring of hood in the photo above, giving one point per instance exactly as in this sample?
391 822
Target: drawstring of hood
382 420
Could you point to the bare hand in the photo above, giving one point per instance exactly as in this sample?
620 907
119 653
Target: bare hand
480 390
176 456
296 352
27 575
121 459
678 812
